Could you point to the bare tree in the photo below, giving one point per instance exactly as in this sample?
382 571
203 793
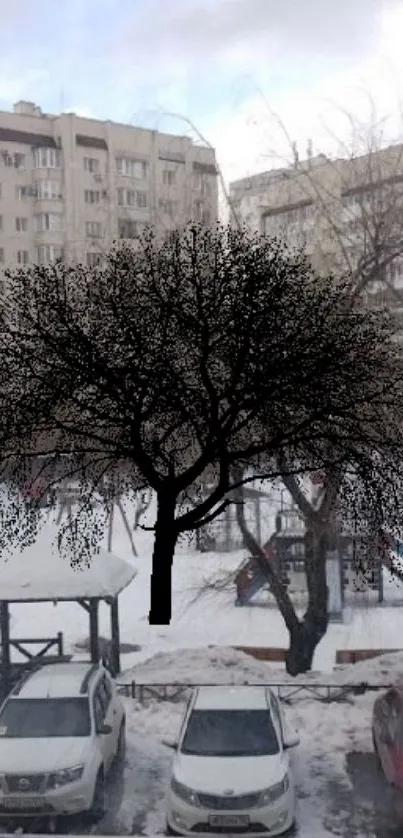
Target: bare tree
347 216
215 349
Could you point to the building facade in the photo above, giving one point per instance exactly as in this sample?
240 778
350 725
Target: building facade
339 211
70 186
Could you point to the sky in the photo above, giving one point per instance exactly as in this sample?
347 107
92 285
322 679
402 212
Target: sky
252 76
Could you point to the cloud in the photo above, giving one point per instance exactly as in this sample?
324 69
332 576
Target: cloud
184 36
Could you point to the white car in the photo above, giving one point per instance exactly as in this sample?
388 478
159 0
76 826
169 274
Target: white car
61 729
231 771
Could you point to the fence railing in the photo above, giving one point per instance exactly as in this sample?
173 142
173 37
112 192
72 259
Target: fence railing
288 693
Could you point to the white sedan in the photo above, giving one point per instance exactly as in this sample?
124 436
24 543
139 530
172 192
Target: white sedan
231 771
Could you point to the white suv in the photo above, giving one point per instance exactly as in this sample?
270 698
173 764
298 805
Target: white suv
61 729
232 772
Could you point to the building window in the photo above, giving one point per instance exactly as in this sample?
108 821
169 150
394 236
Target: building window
48 221
22 257
47 158
21 225
91 164
168 207
19 161
205 188
91 196
1 254
48 190
130 167
126 198
127 229
93 259
141 200
168 177
22 192
93 229
197 181
48 253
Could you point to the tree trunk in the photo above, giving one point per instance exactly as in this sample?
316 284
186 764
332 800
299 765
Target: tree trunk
166 535
312 628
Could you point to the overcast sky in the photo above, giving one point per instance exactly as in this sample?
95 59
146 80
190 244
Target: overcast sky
232 66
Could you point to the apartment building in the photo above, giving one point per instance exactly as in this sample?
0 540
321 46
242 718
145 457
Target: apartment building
70 186
338 211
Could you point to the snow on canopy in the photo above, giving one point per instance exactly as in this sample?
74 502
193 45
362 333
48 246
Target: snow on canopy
39 572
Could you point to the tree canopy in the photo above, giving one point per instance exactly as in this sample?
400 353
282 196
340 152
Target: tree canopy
184 359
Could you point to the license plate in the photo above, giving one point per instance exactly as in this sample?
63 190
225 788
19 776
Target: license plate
229 820
22 803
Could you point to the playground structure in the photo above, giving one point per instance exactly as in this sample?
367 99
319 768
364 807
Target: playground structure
359 562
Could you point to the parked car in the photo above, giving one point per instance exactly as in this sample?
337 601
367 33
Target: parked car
231 771
61 729
387 736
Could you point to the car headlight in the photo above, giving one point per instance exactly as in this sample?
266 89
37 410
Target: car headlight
184 793
274 792
64 776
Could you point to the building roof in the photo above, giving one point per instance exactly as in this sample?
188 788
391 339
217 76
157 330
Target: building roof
59 680
231 698
39 573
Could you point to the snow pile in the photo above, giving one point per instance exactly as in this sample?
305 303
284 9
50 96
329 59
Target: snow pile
212 665
383 670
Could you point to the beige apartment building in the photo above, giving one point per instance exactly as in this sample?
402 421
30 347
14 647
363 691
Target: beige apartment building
70 186
338 211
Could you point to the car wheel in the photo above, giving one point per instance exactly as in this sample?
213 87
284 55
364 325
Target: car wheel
121 746
98 807
170 831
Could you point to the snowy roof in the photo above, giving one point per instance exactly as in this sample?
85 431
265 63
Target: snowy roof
41 573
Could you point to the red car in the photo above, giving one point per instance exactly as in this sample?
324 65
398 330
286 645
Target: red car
387 736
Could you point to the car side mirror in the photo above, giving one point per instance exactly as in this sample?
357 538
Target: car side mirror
104 730
291 740
171 743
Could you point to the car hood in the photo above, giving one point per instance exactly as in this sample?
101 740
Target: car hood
32 756
241 775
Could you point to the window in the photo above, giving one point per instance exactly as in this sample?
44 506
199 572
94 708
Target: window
48 189
19 161
93 259
48 221
127 229
21 225
197 181
91 196
168 207
131 167
22 257
93 229
47 158
48 253
230 733
168 177
1 254
44 718
126 198
22 192
91 165
205 187
141 200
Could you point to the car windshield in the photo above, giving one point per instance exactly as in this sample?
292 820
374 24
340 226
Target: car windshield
37 718
227 733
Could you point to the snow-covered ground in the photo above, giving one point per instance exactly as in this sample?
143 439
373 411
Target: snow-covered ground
326 779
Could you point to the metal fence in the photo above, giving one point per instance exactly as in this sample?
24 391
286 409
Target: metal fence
287 692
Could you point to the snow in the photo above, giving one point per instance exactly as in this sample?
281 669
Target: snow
328 732
197 647
40 572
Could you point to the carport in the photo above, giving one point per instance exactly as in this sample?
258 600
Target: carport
39 573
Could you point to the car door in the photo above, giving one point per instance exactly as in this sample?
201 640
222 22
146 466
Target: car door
386 730
105 740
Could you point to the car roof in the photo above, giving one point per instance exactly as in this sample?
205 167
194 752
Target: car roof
231 698
58 680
